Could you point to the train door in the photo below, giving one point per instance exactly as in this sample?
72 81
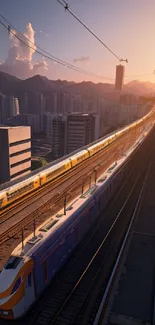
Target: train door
29 295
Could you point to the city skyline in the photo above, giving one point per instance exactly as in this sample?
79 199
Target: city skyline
56 31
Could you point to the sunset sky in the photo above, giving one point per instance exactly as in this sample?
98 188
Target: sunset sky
126 26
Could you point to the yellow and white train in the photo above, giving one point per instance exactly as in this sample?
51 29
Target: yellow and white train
47 174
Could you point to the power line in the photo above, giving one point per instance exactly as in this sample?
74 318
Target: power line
66 7
46 54
55 59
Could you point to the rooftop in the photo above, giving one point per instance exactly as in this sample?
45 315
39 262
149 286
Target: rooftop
5 127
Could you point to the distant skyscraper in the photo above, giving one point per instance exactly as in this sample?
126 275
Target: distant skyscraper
80 130
48 124
119 77
15 152
12 106
9 106
51 103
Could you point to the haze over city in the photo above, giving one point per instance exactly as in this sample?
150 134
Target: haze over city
127 27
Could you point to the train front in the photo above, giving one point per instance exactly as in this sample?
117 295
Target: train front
16 287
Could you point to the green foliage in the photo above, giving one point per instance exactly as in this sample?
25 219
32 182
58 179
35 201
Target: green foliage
37 163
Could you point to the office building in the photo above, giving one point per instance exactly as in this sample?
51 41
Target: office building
80 130
59 136
15 152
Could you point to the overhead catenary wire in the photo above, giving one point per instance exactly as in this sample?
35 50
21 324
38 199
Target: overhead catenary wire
46 54
66 7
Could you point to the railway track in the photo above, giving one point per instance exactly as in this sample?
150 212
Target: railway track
53 201
77 305
56 201
11 237
101 314
31 198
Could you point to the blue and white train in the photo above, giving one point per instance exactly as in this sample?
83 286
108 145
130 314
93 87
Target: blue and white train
29 271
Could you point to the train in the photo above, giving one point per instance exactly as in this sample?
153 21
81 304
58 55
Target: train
28 184
29 271
37 259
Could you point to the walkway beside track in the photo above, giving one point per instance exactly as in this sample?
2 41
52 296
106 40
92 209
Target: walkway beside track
133 299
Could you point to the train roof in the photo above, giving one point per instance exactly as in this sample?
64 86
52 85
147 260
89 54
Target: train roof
82 152
55 225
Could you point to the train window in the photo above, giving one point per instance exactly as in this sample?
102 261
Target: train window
16 285
60 169
20 190
46 271
12 262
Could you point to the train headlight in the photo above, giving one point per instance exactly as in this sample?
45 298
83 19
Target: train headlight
5 312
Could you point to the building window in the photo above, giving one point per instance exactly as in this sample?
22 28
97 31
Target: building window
20 162
19 142
20 152
21 172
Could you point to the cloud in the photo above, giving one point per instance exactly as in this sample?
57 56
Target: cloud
19 61
82 59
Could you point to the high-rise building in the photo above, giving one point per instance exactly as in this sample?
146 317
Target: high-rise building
48 124
51 104
12 106
9 106
119 77
40 103
59 136
3 112
80 130
15 152
34 121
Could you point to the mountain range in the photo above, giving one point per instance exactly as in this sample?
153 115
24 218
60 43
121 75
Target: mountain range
14 86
